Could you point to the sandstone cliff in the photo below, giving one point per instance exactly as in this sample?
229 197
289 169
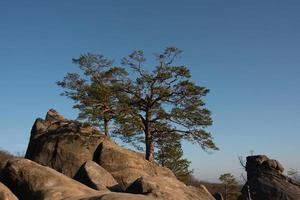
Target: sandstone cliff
66 159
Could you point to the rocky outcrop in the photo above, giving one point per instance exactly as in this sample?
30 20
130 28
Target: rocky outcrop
96 177
126 165
138 176
6 194
79 151
166 188
142 185
63 145
53 115
29 180
76 149
265 181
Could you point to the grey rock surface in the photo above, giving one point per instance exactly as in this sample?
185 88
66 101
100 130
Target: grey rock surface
29 180
63 145
96 177
265 181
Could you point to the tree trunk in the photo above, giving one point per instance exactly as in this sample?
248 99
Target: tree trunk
148 138
149 147
106 128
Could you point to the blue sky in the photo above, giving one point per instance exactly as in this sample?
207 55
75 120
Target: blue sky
246 52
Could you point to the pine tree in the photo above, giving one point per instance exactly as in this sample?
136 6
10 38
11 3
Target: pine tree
95 92
170 155
230 186
164 97
141 106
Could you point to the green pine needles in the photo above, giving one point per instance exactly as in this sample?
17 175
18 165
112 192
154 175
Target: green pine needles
146 106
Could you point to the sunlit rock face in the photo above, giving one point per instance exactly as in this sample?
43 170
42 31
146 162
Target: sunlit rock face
81 152
29 180
61 144
32 181
265 181
96 177
6 194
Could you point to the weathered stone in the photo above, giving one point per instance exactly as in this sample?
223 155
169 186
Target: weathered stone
29 180
96 177
265 181
66 145
142 186
168 188
63 145
53 115
125 165
273 165
6 194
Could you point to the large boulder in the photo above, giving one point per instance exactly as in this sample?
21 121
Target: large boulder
6 194
66 146
96 177
126 165
265 181
29 180
61 144
168 188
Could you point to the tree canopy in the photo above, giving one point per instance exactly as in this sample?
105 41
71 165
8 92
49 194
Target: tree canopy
231 186
145 104
95 91
165 97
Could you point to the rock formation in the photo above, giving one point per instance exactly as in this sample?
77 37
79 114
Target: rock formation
166 188
265 181
73 161
63 145
96 177
80 152
126 165
6 194
29 180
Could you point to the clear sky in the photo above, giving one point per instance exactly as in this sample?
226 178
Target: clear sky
245 51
